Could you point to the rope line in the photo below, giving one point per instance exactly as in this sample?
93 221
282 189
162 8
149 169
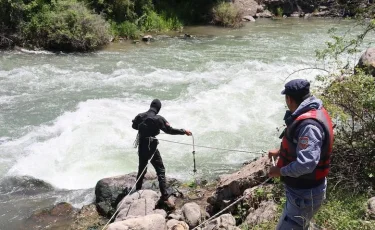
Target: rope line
207 147
114 214
136 142
235 202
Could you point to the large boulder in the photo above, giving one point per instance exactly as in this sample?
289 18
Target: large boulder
266 212
149 222
232 186
59 216
367 62
371 208
248 19
24 185
192 214
246 7
223 222
140 203
110 191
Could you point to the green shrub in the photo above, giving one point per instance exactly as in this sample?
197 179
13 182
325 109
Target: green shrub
154 22
66 25
128 30
279 12
189 12
115 10
350 98
227 14
351 101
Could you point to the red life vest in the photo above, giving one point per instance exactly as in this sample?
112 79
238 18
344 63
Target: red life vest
288 148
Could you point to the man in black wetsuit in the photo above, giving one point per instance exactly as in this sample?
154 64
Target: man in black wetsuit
149 125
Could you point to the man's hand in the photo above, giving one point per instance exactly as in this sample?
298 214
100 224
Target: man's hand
273 153
187 132
274 172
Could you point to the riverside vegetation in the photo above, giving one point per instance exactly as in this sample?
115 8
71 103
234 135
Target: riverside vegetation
84 25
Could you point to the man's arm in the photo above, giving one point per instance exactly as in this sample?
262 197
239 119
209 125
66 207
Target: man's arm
136 121
167 128
310 140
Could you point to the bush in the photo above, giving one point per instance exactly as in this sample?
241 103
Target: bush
66 25
189 12
115 10
279 12
155 23
227 14
128 30
351 100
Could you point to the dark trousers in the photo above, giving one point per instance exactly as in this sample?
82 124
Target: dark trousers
145 152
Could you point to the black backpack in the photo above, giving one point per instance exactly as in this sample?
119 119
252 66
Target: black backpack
149 127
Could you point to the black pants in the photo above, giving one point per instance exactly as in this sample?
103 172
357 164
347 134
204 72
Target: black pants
145 152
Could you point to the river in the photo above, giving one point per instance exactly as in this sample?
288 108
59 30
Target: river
66 118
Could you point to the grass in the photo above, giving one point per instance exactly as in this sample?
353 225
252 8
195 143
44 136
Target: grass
342 210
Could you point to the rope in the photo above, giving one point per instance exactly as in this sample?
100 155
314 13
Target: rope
128 193
235 202
207 147
136 142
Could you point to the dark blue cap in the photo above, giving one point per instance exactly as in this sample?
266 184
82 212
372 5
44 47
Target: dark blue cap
297 87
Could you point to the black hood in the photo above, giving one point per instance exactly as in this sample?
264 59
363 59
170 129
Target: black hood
155 105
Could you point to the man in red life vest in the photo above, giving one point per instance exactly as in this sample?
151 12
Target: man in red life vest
304 155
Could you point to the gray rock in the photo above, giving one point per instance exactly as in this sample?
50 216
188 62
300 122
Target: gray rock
232 186
267 211
223 222
323 8
371 208
23 185
192 214
110 191
149 222
161 212
320 14
247 7
307 16
264 14
249 18
367 62
177 225
295 15
147 38
260 8
59 216
177 215
140 203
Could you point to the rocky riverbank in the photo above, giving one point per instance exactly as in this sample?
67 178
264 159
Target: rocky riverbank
194 204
